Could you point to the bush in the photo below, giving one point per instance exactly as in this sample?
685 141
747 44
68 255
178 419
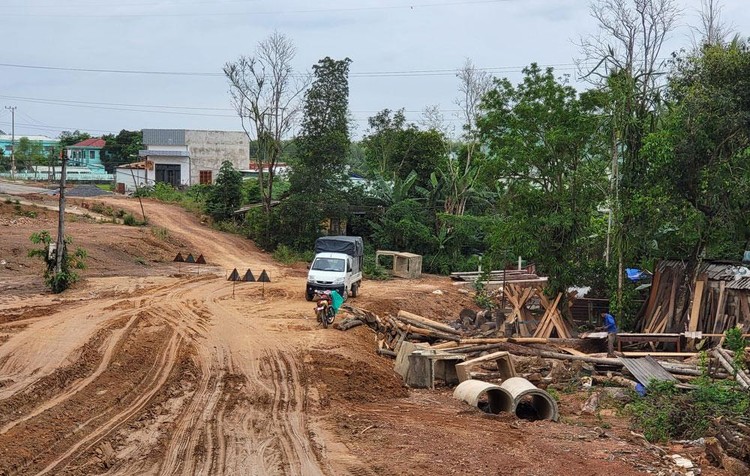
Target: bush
131 220
161 233
669 413
288 256
58 282
372 270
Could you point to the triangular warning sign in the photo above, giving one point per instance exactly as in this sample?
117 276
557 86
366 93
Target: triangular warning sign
179 258
249 277
201 260
190 258
264 277
235 276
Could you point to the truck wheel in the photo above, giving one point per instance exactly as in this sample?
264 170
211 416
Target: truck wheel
308 296
355 290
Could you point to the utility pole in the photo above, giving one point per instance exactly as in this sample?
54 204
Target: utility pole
12 110
60 250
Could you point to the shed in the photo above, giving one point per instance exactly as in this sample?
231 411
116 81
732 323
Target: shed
405 265
720 299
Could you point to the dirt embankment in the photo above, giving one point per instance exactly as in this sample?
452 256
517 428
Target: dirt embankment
150 367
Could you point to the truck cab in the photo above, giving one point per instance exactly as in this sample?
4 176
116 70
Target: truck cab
336 266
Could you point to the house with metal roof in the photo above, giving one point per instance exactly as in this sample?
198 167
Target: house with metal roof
87 153
182 157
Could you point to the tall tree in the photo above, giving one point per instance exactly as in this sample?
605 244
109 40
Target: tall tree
461 174
702 157
544 149
318 178
265 93
626 54
121 148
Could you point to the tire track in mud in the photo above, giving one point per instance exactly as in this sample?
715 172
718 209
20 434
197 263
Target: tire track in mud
156 378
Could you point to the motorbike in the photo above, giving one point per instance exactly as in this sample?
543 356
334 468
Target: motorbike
324 308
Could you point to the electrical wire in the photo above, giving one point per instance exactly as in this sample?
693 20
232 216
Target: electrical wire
265 13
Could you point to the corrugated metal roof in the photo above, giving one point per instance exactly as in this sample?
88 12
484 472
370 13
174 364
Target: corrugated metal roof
742 283
163 136
163 153
646 369
714 270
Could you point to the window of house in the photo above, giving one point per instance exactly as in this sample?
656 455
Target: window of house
205 177
91 154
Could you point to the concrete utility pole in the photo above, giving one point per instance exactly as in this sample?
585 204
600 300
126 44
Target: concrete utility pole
12 110
60 250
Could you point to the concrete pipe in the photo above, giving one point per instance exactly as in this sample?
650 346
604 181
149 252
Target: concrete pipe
530 402
487 397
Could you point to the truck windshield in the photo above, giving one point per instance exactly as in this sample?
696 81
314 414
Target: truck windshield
328 264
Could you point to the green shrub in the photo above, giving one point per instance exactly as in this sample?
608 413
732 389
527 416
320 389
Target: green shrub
667 412
288 256
131 220
372 270
58 282
736 343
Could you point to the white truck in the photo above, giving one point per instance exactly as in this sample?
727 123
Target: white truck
337 266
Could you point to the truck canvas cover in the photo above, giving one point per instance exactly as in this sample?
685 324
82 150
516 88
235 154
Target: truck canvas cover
351 245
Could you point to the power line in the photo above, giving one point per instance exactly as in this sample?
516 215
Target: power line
362 74
259 13
67 102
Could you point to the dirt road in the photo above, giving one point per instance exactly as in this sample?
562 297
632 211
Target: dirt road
164 369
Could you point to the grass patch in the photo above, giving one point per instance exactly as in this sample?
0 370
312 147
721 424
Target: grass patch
107 187
288 256
160 232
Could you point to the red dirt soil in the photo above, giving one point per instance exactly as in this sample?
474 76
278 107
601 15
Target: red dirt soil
152 367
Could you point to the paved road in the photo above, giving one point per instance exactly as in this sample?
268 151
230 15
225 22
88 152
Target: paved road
12 188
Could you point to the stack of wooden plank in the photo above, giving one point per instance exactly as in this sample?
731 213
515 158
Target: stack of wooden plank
495 279
719 302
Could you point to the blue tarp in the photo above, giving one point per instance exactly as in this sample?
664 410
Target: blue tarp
636 274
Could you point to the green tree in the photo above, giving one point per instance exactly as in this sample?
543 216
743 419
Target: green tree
318 180
121 148
68 138
226 194
393 148
29 153
701 159
543 148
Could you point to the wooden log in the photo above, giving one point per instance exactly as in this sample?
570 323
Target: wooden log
387 353
347 324
682 355
420 321
411 329
726 363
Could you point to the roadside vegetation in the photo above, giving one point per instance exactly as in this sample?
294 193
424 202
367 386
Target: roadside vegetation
648 160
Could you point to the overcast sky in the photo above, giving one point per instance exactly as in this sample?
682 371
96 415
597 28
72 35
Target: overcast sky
403 53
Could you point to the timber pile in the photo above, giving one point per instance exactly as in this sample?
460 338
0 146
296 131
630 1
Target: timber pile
719 301
497 278
392 331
